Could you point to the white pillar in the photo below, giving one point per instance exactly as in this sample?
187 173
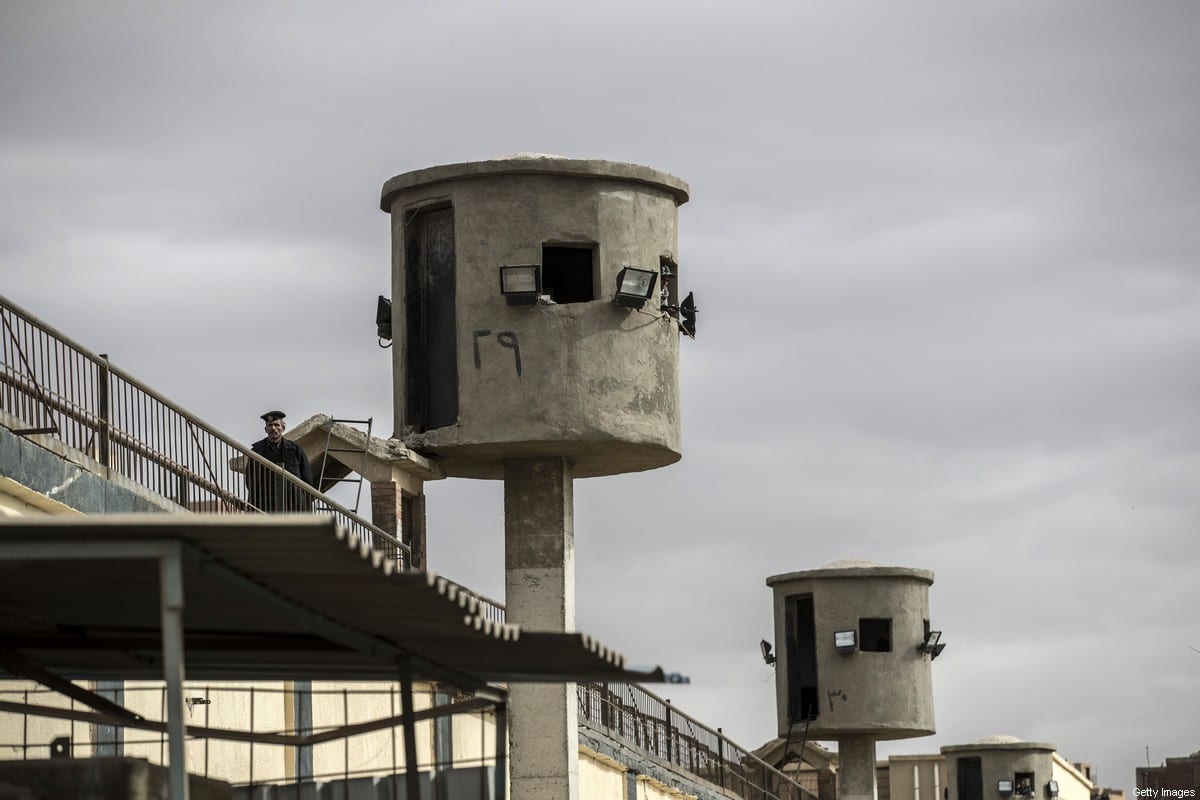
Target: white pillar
170 578
539 589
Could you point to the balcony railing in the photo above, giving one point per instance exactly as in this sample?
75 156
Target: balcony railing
53 386
645 722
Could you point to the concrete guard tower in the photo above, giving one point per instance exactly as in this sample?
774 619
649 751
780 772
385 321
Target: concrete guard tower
1003 768
854 661
515 360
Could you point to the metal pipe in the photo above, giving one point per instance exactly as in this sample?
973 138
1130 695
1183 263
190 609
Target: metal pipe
170 576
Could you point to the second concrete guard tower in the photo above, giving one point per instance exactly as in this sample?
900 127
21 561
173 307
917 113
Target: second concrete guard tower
854 661
531 346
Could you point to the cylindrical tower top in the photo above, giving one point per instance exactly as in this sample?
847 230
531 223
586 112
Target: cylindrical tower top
854 651
534 164
853 568
511 339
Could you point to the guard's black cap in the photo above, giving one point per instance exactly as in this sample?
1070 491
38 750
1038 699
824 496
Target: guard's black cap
271 416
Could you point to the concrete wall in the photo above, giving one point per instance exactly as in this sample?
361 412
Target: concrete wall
887 695
18 501
67 478
597 383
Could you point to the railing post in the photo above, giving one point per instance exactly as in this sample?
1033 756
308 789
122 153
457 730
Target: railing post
721 756
669 733
181 491
102 381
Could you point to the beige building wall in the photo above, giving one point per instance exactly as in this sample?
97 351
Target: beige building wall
229 706
474 739
918 777
600 778
33 735
650 789
1072 784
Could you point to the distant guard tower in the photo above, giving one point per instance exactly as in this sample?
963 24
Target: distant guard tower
854 661
1006 768
530 346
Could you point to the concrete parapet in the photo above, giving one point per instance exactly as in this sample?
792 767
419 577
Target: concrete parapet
99 779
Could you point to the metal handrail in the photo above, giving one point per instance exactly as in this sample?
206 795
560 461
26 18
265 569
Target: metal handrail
62 389
645 722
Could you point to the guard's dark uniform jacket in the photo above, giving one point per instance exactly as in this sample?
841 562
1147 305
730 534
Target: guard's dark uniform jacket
273 493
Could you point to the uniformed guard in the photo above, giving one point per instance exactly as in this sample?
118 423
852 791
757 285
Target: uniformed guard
267 490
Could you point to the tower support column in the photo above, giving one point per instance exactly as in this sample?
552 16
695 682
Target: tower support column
539 587
856 767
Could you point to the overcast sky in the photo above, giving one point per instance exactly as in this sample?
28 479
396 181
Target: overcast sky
947 260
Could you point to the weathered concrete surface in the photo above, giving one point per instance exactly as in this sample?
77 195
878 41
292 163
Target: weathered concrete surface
385 459
883 695
539 544
856 768
539 556
70 479
588 381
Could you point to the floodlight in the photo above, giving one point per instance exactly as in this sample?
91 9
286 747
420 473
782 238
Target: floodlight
634 287
383 318
932 646
1004 787
521 283
1052 789
845 641
765 646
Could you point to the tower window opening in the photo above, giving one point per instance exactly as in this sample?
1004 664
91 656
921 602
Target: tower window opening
801 646
568 273
875 635
1023 784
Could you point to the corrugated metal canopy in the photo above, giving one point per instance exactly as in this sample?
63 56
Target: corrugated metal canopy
283 597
